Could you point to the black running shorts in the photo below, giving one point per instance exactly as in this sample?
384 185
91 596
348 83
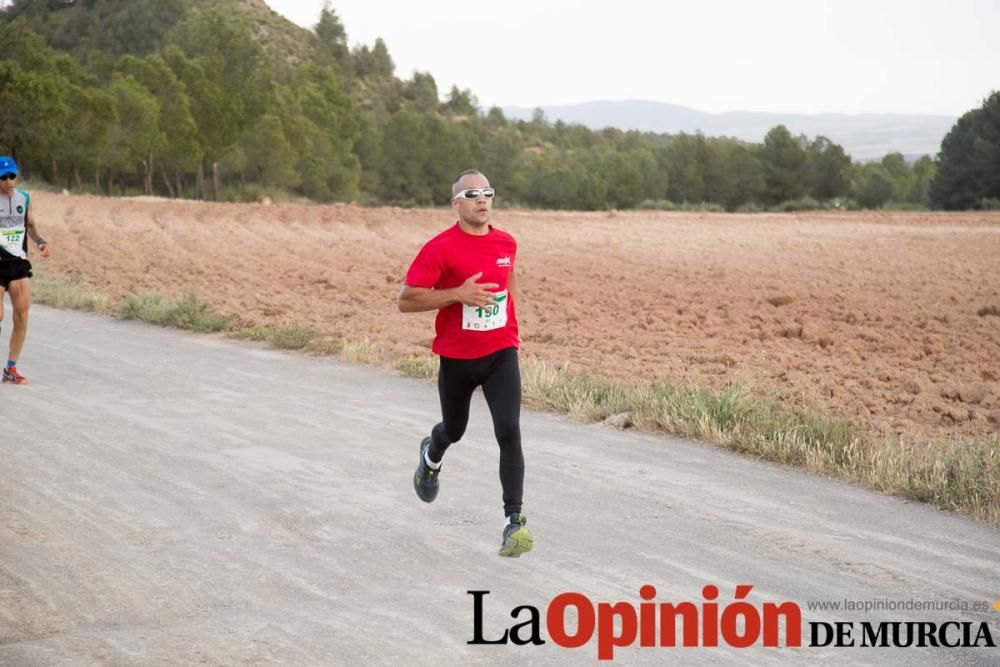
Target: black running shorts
13 269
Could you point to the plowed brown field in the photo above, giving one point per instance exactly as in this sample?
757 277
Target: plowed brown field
891 319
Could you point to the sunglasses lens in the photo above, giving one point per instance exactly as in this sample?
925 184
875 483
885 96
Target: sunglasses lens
472 194
8 177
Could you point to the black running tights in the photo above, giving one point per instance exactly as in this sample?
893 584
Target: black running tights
500 378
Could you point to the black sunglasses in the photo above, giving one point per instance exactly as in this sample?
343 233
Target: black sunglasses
8 177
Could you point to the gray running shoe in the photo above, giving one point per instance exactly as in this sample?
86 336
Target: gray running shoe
425 479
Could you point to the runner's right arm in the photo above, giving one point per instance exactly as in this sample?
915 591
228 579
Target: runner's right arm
419 299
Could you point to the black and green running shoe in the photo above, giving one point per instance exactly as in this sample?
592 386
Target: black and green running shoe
425 479
517 538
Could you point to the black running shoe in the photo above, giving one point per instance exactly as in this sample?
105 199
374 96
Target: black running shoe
517 539
425 479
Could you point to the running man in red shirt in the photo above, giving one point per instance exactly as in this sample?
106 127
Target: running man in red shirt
466 273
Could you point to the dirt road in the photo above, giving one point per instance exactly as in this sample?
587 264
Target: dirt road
178 499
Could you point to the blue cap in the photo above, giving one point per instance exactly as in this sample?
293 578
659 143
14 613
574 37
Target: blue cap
7 165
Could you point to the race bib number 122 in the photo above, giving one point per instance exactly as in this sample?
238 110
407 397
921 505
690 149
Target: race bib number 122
11 240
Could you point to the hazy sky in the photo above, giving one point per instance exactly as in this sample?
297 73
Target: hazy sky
795 56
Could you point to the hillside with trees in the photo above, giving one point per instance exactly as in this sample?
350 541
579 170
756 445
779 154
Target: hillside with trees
227 100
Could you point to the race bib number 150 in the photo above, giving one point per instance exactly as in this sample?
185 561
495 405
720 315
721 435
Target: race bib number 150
476 318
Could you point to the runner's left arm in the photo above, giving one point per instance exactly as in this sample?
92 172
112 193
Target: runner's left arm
29 224
512 286
512 291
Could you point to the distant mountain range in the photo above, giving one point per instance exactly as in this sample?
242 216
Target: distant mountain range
863 136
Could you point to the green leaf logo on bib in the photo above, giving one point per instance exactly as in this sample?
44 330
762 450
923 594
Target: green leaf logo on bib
20 209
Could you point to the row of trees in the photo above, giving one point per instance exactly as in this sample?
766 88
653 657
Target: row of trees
205 103
208 113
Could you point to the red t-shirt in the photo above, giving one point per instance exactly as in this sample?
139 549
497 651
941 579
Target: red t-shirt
447 261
